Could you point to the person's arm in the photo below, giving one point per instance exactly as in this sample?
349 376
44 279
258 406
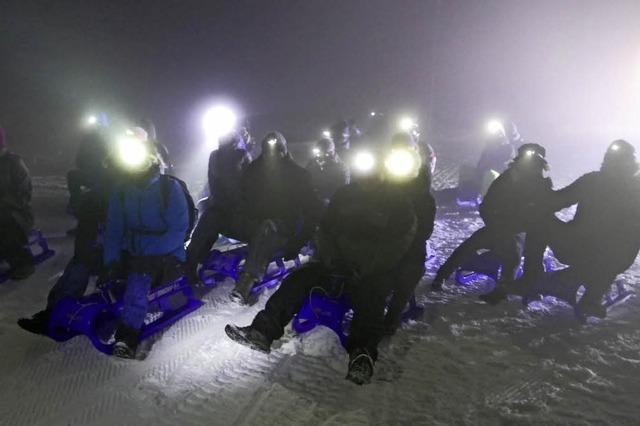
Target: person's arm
176 217
114 231
571 194
21 183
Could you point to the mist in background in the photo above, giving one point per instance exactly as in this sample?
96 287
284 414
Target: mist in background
568 72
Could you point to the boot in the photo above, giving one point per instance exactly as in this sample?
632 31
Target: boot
37 324
242 291
126 342
360 367
250 337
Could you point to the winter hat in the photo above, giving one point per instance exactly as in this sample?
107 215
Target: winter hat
3 143
622 147
529 149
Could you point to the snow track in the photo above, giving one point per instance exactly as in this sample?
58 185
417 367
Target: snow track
463 363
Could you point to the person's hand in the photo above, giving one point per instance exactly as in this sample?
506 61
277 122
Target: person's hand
109 274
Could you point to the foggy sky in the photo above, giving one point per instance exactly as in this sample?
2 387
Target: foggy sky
564 70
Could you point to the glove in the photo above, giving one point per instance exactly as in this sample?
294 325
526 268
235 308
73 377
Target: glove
109 274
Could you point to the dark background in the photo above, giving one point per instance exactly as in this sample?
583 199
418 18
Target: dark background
567 71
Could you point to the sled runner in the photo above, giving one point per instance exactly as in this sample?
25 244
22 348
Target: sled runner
39 249
96 315
228 264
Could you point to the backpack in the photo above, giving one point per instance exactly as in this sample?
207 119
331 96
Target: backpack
165 188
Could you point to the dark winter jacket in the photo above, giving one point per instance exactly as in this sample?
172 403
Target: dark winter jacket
15 189
607 219
142 222
367 230
419 192
495 156
280 190
515 201
328 177
226 165
92 159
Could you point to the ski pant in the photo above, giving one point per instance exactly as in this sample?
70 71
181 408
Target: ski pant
409 273
73 283
368 297
265 239
14 242
570 249
91 214
504 244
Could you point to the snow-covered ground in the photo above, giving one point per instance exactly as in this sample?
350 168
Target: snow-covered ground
463 363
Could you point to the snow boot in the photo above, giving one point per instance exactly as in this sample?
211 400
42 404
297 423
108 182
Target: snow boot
495 297
22 272
360 368
250 337
242 291
37 324
126 342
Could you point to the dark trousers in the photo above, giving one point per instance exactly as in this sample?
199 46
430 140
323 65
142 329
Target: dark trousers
367 295
13 243
504 244
265 239
571 248
91 214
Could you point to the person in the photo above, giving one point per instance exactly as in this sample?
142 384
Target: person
514 202
328 171
276 213
418 189
603 238
363 238
226 165
16 216
146 225
162 152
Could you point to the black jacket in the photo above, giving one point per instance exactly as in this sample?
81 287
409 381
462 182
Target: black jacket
515 201
15 190
328 177
226 165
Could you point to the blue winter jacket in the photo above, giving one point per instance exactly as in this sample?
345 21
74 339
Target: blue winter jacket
138 221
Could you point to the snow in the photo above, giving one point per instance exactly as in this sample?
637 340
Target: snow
463 363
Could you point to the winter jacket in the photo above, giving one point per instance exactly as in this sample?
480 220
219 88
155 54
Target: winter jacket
495 156
280 190
141 222
419 192
15 190
606 225
328 177
515 201
225 175
367 230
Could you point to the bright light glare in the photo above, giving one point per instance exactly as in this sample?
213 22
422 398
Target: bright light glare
400 163
530 153
316 151
92 120
373 113
364 161
272 142
615 147
406 124
218 121
495 127
326 133
132 152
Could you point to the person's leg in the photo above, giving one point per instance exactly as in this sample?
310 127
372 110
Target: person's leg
597 283
203 238
91 214
73 283
549 232
508 249
478 240
16 241
407 277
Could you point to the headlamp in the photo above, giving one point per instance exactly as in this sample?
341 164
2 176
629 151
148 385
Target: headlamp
364 162
326 134
406 124
402 163
316 152
92 120
496 127
614 147
133 153
272 142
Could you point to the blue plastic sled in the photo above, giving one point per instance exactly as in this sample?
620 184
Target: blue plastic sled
487 265
96 315
228 264
39 249
336 314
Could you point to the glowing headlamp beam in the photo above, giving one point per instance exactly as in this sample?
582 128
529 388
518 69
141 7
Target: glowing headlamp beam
364 162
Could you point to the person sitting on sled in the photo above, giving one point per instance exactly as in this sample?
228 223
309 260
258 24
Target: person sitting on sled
16 216
147 221
362 245
603 238
277 212
514 202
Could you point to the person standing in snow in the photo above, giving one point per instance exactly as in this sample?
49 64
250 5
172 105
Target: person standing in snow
362 245
16 216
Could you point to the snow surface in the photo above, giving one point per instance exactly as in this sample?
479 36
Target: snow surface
463 363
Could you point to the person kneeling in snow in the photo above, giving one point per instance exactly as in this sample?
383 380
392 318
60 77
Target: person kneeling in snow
513 204
16 217
363 239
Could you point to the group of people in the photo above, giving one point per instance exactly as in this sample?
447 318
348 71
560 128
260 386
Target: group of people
367 227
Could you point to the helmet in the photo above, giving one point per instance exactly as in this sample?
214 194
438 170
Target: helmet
274 144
